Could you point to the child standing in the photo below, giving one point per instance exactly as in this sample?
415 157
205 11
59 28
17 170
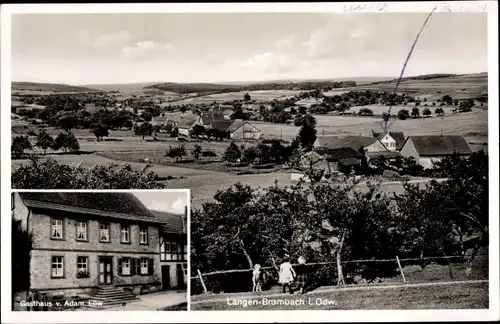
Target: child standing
257 278
286 274
301 271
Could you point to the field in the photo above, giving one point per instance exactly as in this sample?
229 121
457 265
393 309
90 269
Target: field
471 85
259 96
378 110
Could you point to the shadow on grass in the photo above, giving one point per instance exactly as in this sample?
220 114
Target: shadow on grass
178 307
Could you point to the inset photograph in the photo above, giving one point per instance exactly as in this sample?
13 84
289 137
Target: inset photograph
77 251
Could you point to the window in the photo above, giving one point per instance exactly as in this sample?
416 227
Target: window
173 251
82 267
56 229
144 266
125 267
125 234
104 232
81 231
144 235
57 266
185 268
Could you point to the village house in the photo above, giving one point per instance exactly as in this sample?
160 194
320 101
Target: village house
392 140
369 144
429 149
185 126
173 249
159 121
90 243
238 129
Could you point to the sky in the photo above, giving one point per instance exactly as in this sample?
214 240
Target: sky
81 49
173 202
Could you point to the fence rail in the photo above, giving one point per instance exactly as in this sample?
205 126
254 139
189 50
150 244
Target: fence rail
457 268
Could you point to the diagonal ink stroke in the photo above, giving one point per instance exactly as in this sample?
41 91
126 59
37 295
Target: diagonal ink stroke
386 118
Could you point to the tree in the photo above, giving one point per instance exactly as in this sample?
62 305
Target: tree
68 122
44 141
427 112
183 109
302 110
208 153
197 152
144 129
447 99
350 224
176 152
72 143
247 97
198 130
100 131
365 112
232 153
307 133
20 144
415 112
403 114
250 154
50 174
298 121
439 111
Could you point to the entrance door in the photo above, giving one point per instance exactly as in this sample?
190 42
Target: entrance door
105 270
165 277
180 276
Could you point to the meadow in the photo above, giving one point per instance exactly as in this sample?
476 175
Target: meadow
259 96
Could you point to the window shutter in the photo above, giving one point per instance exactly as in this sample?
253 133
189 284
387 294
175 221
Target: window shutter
151 270
138 266
132 266
120 268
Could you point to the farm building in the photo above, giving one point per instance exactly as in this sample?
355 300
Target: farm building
173 249
90 242
369 144
159 121
429 149
243 130
391 140
185 126
341 159
206 119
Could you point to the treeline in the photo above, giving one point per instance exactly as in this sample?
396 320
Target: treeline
208 88
34 86
418 77
335 223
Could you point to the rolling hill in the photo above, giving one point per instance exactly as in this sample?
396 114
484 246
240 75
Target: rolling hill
48 87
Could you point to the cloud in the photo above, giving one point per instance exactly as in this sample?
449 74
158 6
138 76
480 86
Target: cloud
178 206
141 48
107 40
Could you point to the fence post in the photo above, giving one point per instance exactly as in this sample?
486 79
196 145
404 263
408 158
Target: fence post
401 269
202 282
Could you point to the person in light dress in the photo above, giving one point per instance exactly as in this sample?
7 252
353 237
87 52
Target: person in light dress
286 274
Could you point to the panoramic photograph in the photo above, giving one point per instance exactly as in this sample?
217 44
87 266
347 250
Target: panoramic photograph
334 160
91 251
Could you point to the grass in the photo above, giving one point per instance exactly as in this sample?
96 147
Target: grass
458 296
259 96
179 307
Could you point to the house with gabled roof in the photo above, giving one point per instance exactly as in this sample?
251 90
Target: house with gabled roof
393 141
369 144
173 249
429 149
100 244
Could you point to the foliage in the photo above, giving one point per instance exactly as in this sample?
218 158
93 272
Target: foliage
403 114
50 174
426 112
250 154
439 111
20 144
365 112
307 133
198 130
144 129
197 152
415 112
176 152
100 131
44 141
232 154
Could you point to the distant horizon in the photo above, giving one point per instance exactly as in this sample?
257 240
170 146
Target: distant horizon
236 82
103 49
